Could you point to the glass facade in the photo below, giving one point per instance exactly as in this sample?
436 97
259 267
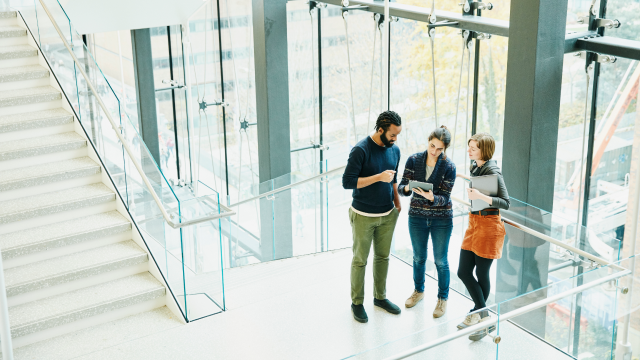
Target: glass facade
204 74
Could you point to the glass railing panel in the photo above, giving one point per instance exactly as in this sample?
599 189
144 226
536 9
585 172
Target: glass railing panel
202 257
183 256
250 231
459 348
583 324
338 201
303 216
559 227
528 262
538 323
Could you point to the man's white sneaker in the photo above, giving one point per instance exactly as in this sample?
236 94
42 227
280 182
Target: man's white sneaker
470 320
414 299
441 308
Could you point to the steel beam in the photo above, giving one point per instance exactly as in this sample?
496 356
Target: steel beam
609 45
409 12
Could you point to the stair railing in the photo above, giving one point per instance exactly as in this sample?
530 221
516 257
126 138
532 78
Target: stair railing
5 328
509 315
287 187
548 238
169 218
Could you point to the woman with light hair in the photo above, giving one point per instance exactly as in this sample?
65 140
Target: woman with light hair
484 237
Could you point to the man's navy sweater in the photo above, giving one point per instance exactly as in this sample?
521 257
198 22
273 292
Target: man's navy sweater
367 159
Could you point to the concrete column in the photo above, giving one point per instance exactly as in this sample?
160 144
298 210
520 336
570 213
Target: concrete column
532 109
272 106
145 90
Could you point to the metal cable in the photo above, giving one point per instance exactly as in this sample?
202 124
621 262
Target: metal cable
432 35
233 61
373 58
206 22
455 126
584 141
466 122
313 77
353 111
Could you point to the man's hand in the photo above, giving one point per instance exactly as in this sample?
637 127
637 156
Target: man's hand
386 176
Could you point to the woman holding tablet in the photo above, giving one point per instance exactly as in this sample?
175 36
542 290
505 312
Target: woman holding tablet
484 237
430 213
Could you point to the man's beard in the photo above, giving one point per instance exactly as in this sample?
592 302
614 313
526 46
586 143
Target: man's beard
386 141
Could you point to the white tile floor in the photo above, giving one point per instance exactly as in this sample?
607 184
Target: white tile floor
299 309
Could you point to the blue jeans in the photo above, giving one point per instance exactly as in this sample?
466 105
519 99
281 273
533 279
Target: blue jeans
440 229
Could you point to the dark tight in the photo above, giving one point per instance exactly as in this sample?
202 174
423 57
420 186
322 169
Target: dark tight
478 289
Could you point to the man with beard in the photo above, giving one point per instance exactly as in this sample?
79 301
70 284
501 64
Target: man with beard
371 173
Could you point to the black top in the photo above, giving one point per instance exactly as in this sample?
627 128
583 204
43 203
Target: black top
367 159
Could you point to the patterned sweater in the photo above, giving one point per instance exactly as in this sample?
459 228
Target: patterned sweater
442 178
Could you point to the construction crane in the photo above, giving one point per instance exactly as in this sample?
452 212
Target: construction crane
607 129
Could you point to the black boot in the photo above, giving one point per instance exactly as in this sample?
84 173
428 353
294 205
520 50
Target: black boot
387 305
359 314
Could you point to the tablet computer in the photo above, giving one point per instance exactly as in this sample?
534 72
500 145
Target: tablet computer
422 185
488 185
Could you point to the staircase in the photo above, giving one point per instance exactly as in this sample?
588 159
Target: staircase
70 258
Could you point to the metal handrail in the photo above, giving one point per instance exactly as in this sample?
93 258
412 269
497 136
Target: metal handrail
287 187
548 238
167 217
507 316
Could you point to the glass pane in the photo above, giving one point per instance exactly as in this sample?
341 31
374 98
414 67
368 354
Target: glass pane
625 12
581 325
614 147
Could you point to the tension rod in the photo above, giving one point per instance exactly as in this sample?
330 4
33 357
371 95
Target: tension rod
442 23
204 104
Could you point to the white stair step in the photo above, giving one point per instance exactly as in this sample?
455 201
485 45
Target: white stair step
21 73
64 233
17 52
63 269
8 14
36 119
84 303
54 202
29 96
23 148
12 31
47 173
83 342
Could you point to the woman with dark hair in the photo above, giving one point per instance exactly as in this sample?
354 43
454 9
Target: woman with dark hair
430 213
484 237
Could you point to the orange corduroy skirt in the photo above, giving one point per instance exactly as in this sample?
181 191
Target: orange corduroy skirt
485 236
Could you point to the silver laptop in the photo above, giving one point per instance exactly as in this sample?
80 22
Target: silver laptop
487 185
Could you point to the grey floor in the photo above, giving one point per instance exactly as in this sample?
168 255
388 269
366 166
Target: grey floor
294 309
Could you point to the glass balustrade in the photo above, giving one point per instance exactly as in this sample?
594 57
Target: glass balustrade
538 324
528 262
179 252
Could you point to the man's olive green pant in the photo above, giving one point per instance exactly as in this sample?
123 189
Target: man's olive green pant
366 230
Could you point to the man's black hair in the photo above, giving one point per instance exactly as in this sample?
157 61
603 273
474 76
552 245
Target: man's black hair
387 119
